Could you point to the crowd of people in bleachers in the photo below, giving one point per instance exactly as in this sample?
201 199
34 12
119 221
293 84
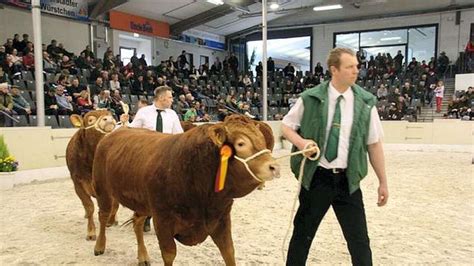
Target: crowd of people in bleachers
78 84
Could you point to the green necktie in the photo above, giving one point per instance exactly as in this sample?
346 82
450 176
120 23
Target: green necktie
333 139
159 121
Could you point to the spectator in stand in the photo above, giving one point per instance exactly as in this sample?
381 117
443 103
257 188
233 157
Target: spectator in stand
142 61
182 60
76 89
88 52
48 64
191 114
9 46
67 64
114 83
256 100
270 64
98 86
431 81
439 92
104 101
382 92
363 73
289 71
233 63
109 63
318 70
16 41
64 102
28 48
408 91
50 104
311 81
247 81
3 55
3 76
259 69
29 61
216 67
412 66
442 64
150 85
6 106
138 86
53 50
20 105
84 103
17 60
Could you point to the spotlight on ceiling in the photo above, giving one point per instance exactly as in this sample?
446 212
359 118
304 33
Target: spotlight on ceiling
274 6
216 2
329 7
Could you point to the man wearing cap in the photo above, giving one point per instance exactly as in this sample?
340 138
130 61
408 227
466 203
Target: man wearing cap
341 119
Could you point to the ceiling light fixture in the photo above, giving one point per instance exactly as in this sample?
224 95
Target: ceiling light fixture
390 39
329 7
274 6
136 35
216 2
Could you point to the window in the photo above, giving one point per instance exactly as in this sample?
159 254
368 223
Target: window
203 60
416 41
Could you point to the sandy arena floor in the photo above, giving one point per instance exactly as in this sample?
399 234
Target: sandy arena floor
428 220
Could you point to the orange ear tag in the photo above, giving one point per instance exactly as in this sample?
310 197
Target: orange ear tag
226 152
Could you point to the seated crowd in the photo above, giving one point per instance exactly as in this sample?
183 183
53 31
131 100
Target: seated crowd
78 84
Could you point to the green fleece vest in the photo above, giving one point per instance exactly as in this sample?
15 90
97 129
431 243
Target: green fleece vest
313 126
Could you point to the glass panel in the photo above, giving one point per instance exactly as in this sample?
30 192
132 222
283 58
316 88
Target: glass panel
349 40
384 37
422 43
392 50
283 51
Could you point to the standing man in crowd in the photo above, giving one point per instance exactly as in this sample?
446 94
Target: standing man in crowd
159 117
340 118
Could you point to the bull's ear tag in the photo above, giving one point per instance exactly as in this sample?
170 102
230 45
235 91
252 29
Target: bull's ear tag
226 153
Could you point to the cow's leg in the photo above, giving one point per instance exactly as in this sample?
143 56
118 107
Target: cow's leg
105 201
88 207
138 221
112 218
222 236
165 237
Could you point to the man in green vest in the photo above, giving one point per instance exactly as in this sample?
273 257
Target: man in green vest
341 119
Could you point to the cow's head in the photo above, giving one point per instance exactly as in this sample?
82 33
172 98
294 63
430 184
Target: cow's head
249 146
98 120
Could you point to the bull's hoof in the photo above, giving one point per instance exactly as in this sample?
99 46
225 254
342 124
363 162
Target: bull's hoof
90 238
146 228
98 252
144 263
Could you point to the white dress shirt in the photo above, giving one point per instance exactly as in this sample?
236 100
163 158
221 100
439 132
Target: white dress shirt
146 118
294 116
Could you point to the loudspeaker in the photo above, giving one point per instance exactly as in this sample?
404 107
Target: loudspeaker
458 18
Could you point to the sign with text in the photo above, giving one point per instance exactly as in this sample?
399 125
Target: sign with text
137 24
76 9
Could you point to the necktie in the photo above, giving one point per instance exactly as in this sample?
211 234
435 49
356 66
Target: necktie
159 121
333 139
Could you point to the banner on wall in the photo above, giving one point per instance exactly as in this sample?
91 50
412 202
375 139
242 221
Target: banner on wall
137 24
203 38
76 9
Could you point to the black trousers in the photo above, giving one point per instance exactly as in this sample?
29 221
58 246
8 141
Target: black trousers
330 189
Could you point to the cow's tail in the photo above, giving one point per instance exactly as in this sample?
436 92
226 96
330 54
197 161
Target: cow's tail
128 222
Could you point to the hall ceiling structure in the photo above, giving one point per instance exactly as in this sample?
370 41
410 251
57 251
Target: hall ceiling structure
239 17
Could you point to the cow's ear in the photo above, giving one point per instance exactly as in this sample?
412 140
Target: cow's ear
76 120
217 133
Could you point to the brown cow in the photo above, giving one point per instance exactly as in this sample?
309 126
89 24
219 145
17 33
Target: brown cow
80 155
172 178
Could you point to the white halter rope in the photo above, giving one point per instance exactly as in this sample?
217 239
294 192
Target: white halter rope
300 180
244 161
96 125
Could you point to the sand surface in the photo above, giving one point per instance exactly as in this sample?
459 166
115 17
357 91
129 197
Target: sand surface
428 220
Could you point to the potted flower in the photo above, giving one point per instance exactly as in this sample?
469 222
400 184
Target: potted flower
7 162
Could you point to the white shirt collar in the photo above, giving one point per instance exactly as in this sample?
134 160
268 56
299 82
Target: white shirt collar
333 93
